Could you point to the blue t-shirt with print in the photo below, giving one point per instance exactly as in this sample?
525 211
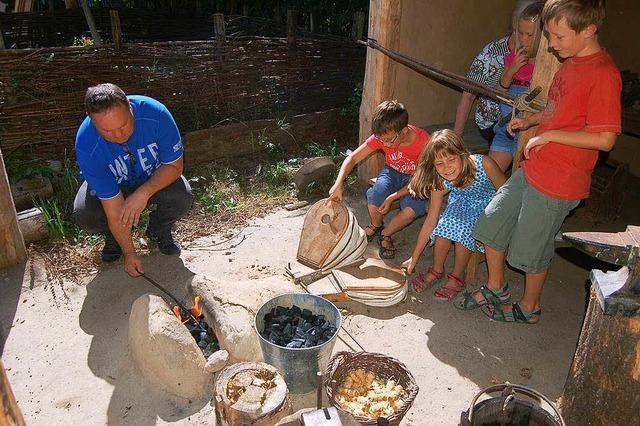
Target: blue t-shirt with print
109 166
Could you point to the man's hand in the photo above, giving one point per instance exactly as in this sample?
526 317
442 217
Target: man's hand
335 193
133 265
385 207
409 265
132 208
535 143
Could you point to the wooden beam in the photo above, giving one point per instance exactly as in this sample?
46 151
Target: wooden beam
116 32
380 74
219 28
95 35
359 21
545 68
12 248
292 26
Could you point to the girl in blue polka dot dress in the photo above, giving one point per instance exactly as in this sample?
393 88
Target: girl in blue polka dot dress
446 168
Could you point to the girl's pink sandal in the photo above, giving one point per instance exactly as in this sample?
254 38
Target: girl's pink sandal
446 293
421 282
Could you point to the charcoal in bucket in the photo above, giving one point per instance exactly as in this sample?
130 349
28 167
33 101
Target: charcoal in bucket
510 409
296 328
298 366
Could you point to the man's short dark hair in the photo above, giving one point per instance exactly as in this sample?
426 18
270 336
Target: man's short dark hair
103 97
389 115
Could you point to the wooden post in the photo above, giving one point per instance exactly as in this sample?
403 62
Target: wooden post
276 15
357 30
245 9
292 26
2 45
545 68
71 4
312 22
12 248
97 40
219 28
603 386
116 32
10 413
380 74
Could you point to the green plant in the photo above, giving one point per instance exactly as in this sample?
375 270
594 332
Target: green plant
314 149
56 221
280 173
82 41
352 109
274 151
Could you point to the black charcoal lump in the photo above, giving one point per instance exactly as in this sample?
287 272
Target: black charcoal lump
296 328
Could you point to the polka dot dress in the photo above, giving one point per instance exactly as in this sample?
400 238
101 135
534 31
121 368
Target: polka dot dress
464 208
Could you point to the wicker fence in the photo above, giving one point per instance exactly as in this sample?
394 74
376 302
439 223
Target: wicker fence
203 83
65 27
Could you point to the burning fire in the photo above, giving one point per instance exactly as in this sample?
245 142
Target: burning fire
196 311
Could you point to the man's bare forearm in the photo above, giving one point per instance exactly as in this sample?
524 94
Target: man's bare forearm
164 176
120 232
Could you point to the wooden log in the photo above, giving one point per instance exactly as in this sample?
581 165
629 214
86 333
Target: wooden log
359 20
25 190
251 393
380 74
12 248
10 413
545 68
32 225
219 28
71 4
603 386
116 31
231 140
95 35
292 26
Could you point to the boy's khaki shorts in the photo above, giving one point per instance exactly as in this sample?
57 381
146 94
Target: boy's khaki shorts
525 221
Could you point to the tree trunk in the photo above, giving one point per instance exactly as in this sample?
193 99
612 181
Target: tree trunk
12 248
603 386
380 74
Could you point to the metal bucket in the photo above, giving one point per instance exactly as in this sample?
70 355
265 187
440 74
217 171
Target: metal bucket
298 367
508 409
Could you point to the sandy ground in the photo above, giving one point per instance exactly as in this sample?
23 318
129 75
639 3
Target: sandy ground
65 346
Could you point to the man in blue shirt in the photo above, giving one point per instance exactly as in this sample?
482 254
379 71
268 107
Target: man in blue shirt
130 155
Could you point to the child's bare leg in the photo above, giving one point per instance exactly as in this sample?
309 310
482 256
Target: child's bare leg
504 159
495 266
399 221
375 215
462 256
440 251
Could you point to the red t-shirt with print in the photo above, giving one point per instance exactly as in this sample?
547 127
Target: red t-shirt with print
584 96
402 158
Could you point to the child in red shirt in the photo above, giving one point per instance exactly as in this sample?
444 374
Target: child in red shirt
582 117
402 144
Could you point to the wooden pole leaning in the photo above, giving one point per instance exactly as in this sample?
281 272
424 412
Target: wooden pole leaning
12 247
97 40
116 31
292 26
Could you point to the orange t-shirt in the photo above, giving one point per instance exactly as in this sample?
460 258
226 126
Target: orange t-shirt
403 158
584 96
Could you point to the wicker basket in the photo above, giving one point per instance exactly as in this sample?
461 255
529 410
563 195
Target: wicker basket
384 367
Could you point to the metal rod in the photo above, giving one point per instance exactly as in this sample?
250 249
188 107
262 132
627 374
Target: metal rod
464 83
175 299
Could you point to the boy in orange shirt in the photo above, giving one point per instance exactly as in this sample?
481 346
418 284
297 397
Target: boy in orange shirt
582 117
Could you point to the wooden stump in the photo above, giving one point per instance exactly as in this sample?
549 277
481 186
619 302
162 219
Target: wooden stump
251 393
603 386
12 248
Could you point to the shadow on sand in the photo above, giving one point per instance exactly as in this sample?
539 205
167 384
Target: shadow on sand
105 315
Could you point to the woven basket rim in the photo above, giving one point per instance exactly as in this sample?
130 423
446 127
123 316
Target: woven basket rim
342 358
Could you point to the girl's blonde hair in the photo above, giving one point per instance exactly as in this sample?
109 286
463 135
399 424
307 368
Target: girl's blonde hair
426 178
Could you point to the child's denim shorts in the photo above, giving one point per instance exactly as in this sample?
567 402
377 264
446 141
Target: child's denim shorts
503 141
390 181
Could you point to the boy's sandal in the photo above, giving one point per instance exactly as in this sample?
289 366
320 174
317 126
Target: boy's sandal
422 283
467 302
447 293
517 314
388 252
372 231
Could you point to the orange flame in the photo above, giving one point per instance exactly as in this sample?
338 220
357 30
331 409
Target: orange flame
196 311
177 313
